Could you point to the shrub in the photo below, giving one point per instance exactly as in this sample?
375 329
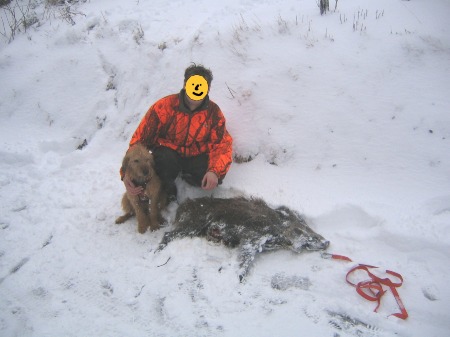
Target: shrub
15 17
4 2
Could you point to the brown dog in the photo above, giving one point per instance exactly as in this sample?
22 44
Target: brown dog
138 166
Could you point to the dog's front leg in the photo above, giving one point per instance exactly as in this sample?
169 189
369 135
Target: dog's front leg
142 216
143 222
154 215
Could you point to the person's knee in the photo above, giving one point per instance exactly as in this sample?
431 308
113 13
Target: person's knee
192 179
167 163
194 169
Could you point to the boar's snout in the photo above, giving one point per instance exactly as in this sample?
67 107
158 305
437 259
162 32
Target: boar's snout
317 244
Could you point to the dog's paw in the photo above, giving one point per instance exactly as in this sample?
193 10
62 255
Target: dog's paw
142 229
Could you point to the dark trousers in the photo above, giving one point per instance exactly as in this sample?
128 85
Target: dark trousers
169 164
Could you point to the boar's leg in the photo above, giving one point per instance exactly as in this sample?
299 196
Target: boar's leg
182 232
247 252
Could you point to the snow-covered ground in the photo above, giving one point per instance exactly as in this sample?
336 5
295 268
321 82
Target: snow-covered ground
343 117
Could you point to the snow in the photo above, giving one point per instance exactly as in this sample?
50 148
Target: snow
345 120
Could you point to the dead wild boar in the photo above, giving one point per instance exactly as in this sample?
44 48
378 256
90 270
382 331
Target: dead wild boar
249 224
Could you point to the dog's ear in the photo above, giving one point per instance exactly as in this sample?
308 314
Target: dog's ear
125 162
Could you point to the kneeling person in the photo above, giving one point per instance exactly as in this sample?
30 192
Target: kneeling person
187 135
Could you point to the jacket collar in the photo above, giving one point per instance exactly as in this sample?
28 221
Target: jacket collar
183 107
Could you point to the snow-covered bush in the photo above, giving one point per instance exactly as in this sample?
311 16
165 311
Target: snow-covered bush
16 16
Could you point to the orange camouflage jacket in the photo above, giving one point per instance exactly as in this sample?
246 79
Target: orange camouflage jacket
170 123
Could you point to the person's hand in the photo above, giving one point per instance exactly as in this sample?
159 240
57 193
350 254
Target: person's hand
210 181
131 188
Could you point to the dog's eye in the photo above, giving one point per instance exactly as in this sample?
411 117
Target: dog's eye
136 160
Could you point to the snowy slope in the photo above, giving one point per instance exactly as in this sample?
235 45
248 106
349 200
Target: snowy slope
342 117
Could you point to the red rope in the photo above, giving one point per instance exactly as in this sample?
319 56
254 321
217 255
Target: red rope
372 288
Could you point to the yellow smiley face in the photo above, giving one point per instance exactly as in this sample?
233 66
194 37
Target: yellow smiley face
196 87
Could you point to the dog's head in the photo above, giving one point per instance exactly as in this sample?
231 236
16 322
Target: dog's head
138 165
